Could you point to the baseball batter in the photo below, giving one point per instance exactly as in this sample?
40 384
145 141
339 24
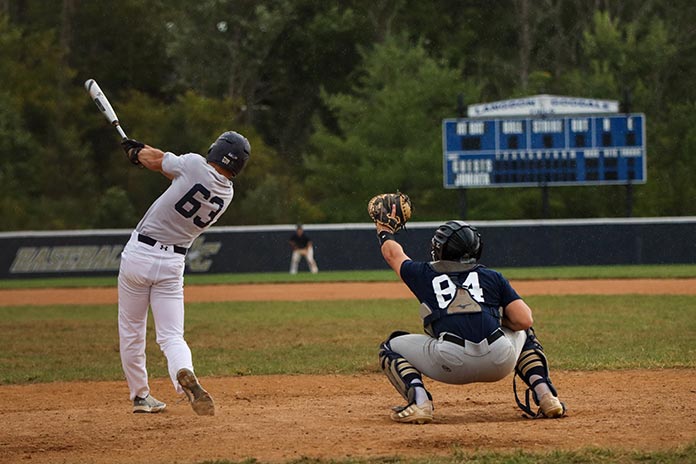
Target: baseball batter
152 263
477 328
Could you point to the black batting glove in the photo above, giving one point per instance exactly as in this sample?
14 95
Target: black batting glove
132 149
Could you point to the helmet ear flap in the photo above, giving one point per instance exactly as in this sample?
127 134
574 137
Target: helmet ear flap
439 240
435 249
480 247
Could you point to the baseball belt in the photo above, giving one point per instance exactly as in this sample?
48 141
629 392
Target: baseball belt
152 242
448 337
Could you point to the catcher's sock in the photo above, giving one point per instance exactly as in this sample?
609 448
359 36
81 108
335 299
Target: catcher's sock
421 396
541 388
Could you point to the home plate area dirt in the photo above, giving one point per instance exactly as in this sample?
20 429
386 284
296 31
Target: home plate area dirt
284 418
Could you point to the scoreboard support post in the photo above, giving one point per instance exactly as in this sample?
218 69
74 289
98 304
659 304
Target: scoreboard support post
463 204
544 201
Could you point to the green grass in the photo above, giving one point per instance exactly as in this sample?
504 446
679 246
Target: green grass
681 455
44 344
528 273
657 271
212 279
589 332
64 343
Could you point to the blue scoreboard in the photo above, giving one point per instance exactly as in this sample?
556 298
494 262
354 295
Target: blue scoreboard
550 150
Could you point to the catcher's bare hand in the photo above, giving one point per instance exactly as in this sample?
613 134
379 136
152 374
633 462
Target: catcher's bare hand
390 211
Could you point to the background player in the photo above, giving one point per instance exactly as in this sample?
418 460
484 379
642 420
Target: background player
468 338
302 246
152 262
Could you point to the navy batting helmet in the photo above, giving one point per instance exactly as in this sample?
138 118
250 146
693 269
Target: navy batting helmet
231 151
456 241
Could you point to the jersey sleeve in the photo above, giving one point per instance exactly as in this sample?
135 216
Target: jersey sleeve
507 293
412 274
176 165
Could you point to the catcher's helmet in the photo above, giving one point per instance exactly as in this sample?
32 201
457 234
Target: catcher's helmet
456 241
231 151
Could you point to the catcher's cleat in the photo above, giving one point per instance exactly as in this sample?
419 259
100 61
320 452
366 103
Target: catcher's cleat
551 407
414 414
149 404
201 401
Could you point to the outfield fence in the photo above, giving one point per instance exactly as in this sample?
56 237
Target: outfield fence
353 246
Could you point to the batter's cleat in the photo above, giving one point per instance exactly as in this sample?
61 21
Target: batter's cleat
551 407
149 404
414 414
201 401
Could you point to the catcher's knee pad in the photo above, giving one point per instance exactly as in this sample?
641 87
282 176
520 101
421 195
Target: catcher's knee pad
398 370
532 361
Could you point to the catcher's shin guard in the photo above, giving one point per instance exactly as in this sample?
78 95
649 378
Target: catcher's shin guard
532 361
397 369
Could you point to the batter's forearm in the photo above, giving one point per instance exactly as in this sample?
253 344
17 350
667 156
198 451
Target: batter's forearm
151 158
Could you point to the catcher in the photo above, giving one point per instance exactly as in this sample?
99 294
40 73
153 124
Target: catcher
477 328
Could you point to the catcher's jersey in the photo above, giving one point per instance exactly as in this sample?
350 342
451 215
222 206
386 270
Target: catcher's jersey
463 299
195 200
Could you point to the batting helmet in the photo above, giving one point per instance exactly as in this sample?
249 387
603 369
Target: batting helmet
456 241
231 151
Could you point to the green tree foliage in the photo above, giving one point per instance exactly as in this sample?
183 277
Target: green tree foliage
317 50
671 188
46 178
633 60
122 45
114 209
389 133
340 100
222 46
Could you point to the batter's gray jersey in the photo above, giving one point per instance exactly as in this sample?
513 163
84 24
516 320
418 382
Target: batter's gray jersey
193 202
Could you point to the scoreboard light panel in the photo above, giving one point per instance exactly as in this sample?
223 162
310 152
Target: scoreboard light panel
568 150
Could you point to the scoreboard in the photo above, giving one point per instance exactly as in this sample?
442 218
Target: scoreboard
549 150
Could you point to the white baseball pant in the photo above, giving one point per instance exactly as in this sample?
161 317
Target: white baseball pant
308 254
454 364
151 276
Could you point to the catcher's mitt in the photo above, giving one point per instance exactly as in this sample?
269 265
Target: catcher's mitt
381 210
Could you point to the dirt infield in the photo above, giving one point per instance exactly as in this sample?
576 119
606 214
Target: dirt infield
345 291
280 418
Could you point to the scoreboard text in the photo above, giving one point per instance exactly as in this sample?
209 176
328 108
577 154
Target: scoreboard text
534 151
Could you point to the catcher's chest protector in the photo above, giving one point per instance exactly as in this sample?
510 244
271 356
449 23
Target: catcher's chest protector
471 290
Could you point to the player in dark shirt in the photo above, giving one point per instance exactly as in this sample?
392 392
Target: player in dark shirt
477 328
302 247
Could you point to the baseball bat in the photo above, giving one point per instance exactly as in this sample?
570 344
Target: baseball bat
104 106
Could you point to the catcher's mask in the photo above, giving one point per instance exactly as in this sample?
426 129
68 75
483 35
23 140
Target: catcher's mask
456 241
231 151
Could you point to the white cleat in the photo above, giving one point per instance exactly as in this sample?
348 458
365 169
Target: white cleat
414 414
201 401
551 407
149 404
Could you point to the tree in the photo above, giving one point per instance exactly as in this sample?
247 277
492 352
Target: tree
221 47
388 135
339 99
637 57
46 172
